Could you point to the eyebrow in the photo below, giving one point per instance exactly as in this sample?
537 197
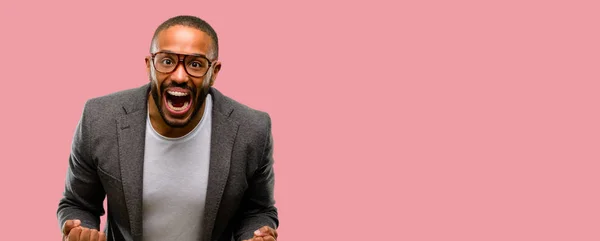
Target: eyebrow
171 52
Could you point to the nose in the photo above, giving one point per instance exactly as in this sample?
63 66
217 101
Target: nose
179 75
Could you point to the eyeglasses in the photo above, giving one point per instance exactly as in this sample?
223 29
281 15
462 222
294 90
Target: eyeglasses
194 65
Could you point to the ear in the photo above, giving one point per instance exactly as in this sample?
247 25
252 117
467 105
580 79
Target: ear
148 63
216 69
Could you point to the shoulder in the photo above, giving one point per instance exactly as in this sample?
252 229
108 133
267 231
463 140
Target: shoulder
116 103
241 113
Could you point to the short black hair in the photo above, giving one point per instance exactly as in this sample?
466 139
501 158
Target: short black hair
189 21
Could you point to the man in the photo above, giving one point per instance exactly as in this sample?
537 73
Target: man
176 159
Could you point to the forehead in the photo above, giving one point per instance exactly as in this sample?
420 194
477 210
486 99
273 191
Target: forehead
183 40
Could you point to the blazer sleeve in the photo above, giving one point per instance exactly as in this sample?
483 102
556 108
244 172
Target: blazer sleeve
84 194
258 206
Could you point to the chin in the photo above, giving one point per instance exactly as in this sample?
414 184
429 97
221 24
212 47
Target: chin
177 122
174 122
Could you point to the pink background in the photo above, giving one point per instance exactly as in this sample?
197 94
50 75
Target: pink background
420 120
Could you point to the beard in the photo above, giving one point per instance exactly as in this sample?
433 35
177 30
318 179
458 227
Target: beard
199 95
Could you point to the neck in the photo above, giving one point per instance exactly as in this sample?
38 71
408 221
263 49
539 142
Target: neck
159 124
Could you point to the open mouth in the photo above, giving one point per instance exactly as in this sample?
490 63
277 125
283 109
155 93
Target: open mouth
178 101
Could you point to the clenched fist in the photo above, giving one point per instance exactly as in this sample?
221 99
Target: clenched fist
72 231
265 233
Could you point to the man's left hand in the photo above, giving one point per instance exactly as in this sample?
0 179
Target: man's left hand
265 233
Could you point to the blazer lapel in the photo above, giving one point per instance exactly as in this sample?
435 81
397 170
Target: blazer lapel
223 133
131 129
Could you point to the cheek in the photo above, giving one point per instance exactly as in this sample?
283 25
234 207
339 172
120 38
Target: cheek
153 77
198 82
157 80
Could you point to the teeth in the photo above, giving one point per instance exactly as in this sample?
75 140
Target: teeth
177 93
185 106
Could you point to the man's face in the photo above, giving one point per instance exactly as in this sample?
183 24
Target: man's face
178 95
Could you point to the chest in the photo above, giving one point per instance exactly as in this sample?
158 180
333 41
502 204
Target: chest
176 167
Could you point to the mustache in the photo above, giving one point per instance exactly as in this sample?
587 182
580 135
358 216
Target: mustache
165 86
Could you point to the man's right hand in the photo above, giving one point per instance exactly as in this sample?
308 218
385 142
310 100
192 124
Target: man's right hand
72 231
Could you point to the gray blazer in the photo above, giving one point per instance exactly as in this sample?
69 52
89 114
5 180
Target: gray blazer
107 159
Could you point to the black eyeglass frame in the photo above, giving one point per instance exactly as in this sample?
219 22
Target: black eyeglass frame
179 60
